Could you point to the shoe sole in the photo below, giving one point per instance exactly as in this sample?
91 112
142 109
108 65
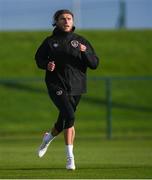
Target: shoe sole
70 169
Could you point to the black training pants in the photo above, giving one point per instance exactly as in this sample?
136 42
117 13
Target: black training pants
67 106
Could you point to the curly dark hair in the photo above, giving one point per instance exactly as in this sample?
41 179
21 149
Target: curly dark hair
58 13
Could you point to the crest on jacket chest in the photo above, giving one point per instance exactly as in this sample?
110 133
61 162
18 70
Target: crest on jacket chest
74 43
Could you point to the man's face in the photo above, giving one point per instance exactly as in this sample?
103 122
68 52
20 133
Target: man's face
65 22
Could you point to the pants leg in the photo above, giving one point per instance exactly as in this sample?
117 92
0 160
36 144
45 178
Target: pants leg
74 101
67 106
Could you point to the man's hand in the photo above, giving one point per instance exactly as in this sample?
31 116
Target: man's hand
82 47
51 66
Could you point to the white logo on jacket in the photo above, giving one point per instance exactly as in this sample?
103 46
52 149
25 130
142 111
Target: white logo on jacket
55 45
75 43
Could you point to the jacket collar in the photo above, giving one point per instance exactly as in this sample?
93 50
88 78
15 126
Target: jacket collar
59 32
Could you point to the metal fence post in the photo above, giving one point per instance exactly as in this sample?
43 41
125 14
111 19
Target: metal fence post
108 83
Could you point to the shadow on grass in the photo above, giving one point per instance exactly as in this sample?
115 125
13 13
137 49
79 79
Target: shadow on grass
108 167
28 169
24 87
90 100
97 101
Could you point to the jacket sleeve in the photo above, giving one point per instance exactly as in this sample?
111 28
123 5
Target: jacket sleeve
42 55
90 57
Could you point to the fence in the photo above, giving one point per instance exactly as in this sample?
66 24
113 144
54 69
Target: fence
127 99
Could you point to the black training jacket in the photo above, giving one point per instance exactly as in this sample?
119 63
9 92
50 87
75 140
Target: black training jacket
71 64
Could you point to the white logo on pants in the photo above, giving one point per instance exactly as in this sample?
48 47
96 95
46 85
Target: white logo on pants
59 92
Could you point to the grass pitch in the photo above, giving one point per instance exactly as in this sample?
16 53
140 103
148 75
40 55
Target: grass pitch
95 158
26 112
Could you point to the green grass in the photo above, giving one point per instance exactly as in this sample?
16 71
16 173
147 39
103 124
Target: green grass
26 111
121 52
27 108
95 158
